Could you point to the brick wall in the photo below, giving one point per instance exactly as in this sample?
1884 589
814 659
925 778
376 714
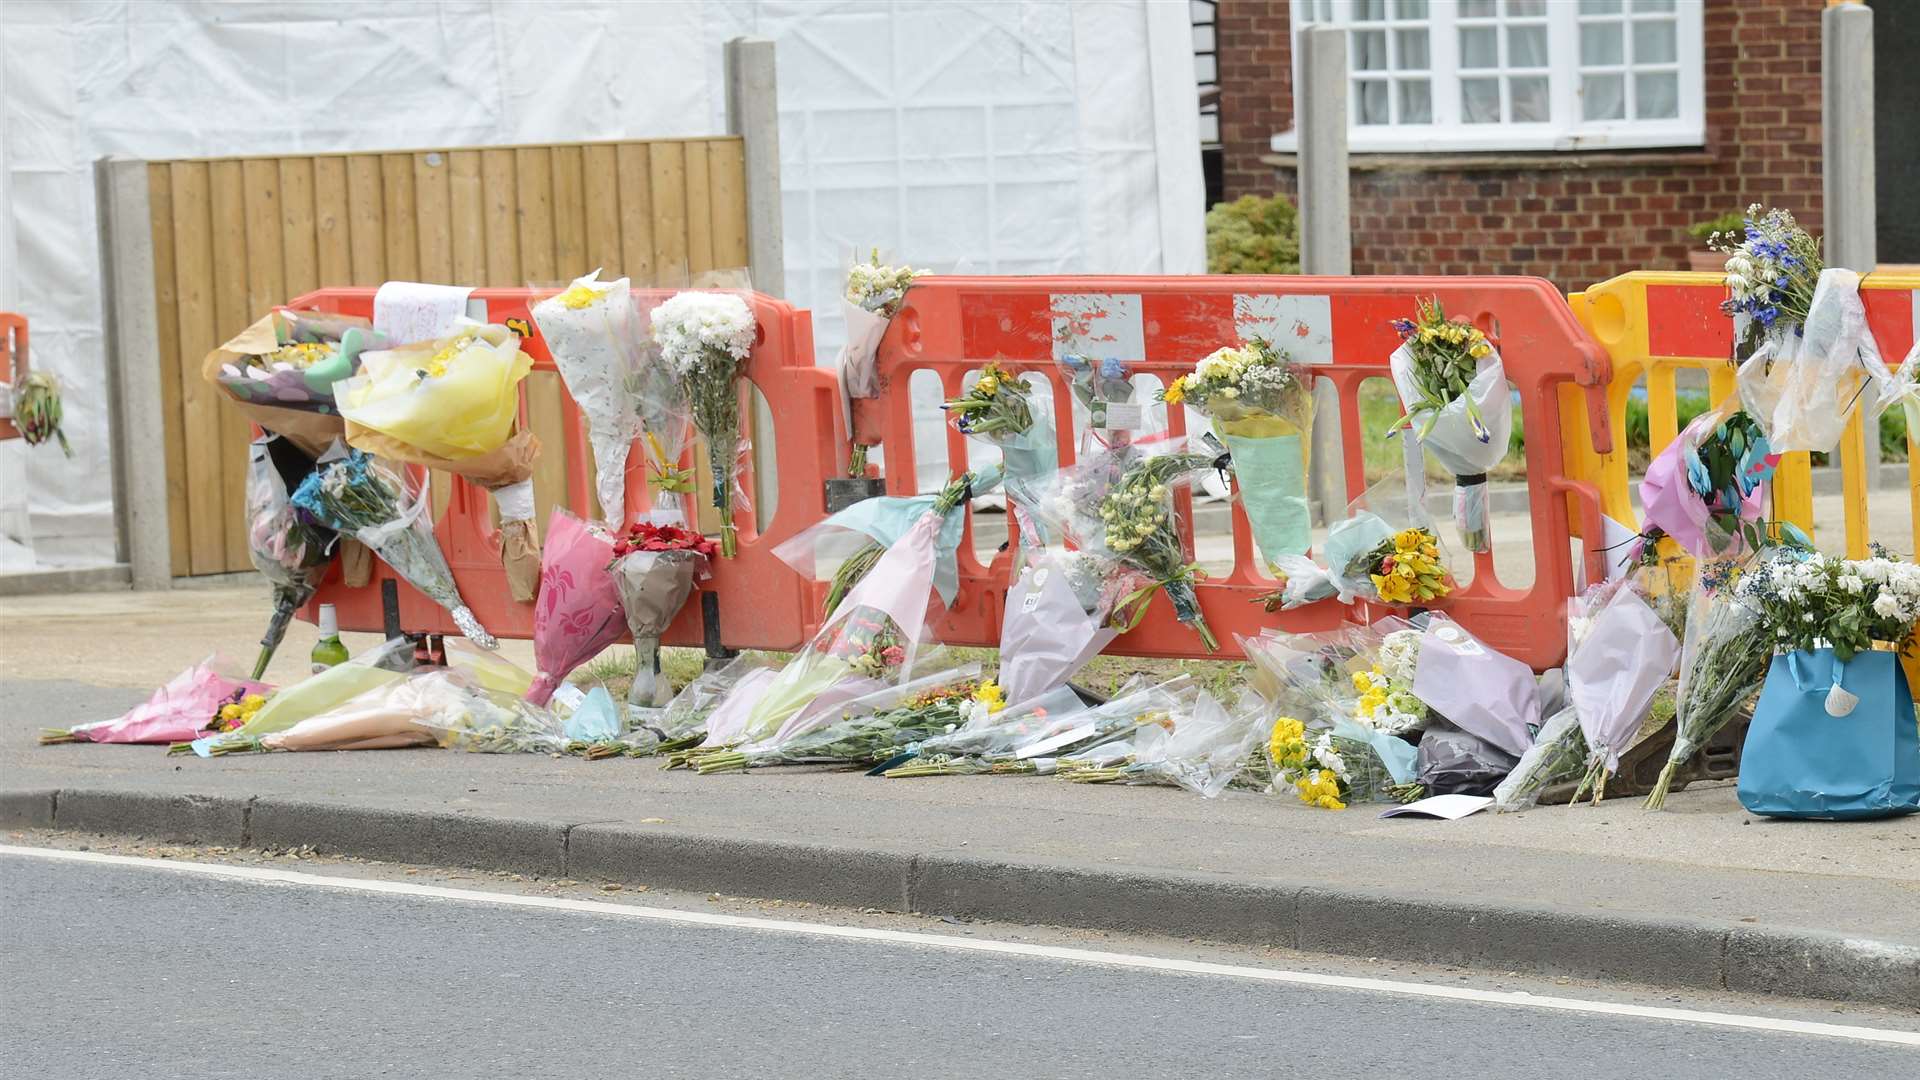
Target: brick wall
1578 219
1256 89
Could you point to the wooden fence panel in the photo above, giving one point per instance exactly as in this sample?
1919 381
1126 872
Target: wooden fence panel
232 237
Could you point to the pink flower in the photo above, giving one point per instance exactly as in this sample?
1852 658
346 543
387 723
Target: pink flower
894 655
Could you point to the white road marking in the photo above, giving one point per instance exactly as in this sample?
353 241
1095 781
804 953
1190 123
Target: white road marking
978 945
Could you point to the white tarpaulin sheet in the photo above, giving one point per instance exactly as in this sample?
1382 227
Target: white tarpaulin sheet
988 137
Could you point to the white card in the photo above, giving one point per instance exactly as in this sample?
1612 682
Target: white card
568 697
1445 807
1125 416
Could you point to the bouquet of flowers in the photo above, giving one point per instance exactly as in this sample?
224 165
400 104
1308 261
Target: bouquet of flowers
1454 391
450 404
288 548
1397 568
198 700
1707 488
1325 769
387 717
360 497
280 372
1722 657
874 727
682 724
988 735
316 694
1387 701
668 431
1478 688
579 610
1812 601
1625 654
998 410
1203 752
1102 387
653 569
1261 405
37 410
1120 504
867 643
490 723
1802 342
1059 614
705 339
1032 739
593 331
1308 674
871 299
881 522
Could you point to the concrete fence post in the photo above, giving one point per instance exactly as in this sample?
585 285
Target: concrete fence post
1326 227
753 113
1847 154
133 372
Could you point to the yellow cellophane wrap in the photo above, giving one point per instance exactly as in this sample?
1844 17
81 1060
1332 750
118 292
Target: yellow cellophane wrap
464 410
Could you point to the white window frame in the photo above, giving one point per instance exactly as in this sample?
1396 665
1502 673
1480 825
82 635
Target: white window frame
1565 131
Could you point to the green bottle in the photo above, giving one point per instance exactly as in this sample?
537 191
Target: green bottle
328 651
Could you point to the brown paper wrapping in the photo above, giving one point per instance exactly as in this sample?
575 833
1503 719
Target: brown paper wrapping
520 555
356 563
311 431
510 464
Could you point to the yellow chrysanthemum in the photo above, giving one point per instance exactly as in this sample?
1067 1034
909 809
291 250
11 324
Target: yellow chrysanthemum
1176 391
579 296
991 696
1363 681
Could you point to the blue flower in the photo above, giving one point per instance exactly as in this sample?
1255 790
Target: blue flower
1697 476
1074 361
1112 368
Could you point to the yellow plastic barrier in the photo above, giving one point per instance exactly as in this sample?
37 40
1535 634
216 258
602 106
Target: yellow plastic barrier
1654 323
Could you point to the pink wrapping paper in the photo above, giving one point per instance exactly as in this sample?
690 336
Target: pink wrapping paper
578 612
1670 501
179 711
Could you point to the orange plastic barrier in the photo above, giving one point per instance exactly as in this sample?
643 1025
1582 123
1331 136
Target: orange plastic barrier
1163 325
13 361
762 602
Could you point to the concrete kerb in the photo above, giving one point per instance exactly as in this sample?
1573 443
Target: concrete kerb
1350 922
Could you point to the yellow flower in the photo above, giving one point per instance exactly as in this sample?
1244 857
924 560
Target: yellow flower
579 296
987 385
1409 539
437 364
1176 391
229 712
1363 681
1427 334
1479 349
252 702
1393 588
991 696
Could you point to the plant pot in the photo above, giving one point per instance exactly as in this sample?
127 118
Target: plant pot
1711 262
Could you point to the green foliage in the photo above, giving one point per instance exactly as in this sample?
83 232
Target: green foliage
1730 222
1893 435
1253 235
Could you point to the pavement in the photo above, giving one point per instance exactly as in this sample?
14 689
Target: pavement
1699 896
108 978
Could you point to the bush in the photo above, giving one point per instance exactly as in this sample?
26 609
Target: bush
1730 222
1253 235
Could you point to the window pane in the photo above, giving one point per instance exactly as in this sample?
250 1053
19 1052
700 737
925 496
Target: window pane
1653 41
1653 5
1530 102
1373 102
1526 8
1413 50
1599 7
1603 97
1656 96
1601 43
1480 101
1369 10
1478 48
1369 50
1416 102
1476 9
1410 9
1526 46
1203 69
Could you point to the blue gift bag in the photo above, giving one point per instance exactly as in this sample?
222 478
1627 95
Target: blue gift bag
1802 761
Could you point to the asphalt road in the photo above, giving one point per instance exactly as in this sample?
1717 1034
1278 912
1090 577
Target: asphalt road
135 972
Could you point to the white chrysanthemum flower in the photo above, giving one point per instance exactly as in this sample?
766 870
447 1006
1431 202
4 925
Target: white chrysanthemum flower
1888 606
1853 584
691 325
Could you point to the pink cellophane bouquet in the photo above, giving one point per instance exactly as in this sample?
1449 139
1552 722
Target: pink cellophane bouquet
187 707
578 612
